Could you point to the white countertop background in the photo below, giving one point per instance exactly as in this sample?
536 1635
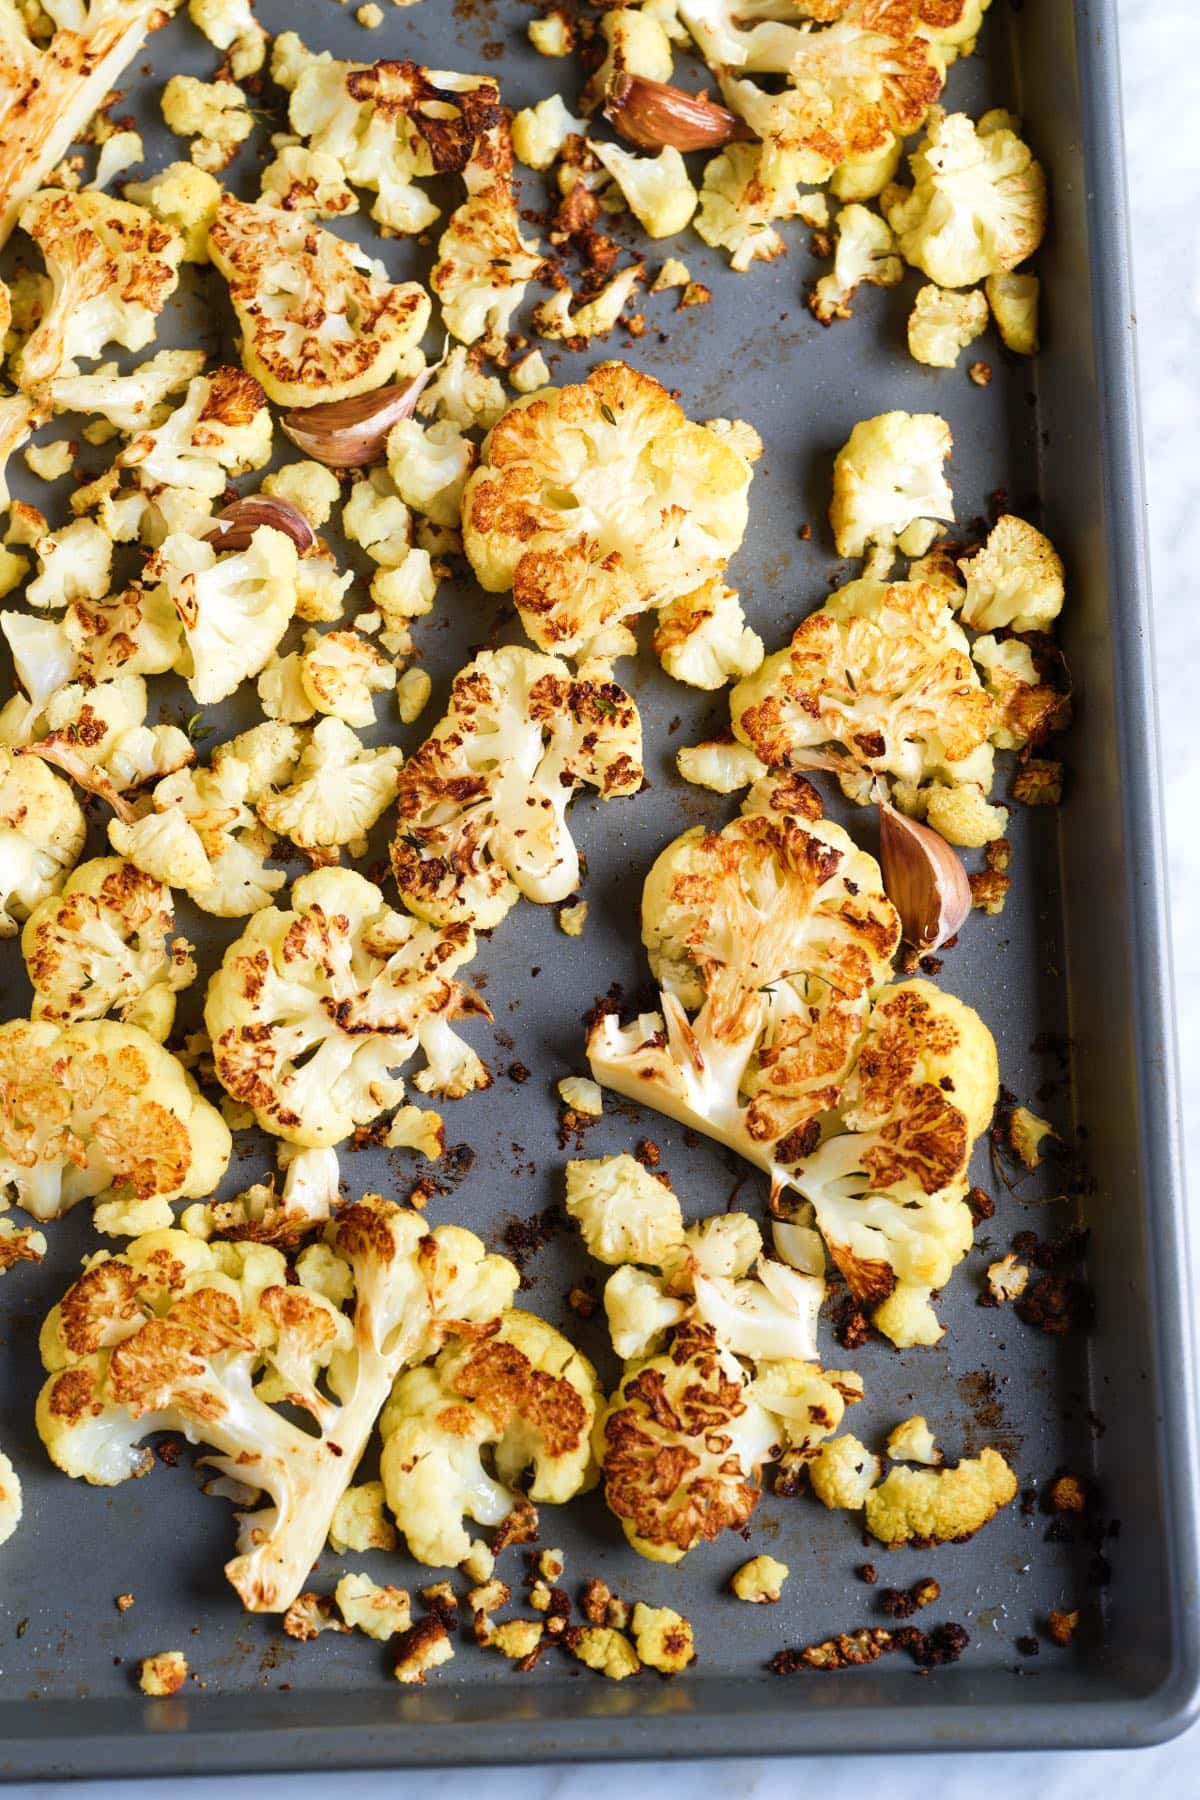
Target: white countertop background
1160 58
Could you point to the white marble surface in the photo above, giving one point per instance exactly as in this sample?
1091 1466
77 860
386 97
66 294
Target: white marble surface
1161 53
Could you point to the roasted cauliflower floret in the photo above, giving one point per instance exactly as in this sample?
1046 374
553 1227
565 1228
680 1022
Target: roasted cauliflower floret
977 205
865 254
703 638
1014 303
206 1339
635 43
102 946
843 1472
112 267
526 1395
202 836
11 1503
74 563
657 189
942 323
429 465
877 682
1014 579
230 25
337 673
100 1111
888 474
126 401
595 502
318 317
555 318
313 1009
222 427
42 833
482 803
184 198
338 790
484 264
742 198
939 1506
624 1213
462 394
214 114
539 132
1026 708
234 609
760 1581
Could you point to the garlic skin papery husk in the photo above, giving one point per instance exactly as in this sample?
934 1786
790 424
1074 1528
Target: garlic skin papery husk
923 878
655 116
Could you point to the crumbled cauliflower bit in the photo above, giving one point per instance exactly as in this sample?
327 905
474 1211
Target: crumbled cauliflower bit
360 1522
888 473
939 1506
864 177
74 563
1026 1132
463 394
424 1646
311 1614
943 322
478 1565
1014 303
222 427
230 25
554 319
623 1212
977 206
912 1442
375 518
184 198
1014 579
916 540
760 1581
11 1502
515 1638
572 919
412 695
338 790
843 1472
607 1651
379 1612
18 1243
429 465
657 189
673 274
308 181
417 1128
581 1096
370 16
401 593
663 1639
539 132
234 608
321 589
703 638
162 1674
489 1596
721 767
866 253
312 489
214 114
639 1312
963 816
907 1317
340 672
530 373
525 1395
740 204
635 43
1007 1279
552 35
50 461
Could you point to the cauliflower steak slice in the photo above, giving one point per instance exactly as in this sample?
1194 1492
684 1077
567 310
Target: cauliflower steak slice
482 804
526 1395
207 1340
597 501
313 1009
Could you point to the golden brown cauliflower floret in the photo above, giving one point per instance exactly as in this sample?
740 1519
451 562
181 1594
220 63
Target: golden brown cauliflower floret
977 205
597 501
360 1522
424 1646
1014 579
843 1472
484 264
759 1581
42 832
888 477
319 320
939 1506
482 804
604 1649
163 1674
912 1441
942 323
662 1638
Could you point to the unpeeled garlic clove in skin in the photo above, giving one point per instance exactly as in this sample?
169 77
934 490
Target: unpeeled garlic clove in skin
349 434
655 116
233 528
923 878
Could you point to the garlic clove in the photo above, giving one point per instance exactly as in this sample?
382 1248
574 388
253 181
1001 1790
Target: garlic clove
233 528
348 434
654 115
923 878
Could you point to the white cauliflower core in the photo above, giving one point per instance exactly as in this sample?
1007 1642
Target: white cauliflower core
207 1339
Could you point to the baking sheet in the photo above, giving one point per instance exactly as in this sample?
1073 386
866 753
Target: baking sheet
1078 952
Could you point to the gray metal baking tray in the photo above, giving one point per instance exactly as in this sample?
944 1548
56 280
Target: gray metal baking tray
1081 952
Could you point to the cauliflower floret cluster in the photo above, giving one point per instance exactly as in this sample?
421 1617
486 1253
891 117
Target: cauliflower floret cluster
185 198
234 609
1014 579
102 946
314 1008
484 264
888 476
230 25
865 253
126 401
221 428
481 816
977 206
42 834
208 1339
742 198
597 501
112 268
318 317
524 1394
100 1111
942 323
703 639
922 1507
214 114
338 790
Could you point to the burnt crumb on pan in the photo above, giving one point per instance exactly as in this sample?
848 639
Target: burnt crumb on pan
648 1153
604 1005
981 1204
852 1649
902 1603
1028 1646
574 1126
524 1238
1067 1493
1051 1253
868 1572
1061 1627
123 1602
519 1073
850 1324
1057 1305
168 1451
519 1527
581 1302
594 1600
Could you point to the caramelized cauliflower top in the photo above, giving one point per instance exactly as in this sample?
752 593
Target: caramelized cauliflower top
597 501
482 803
939 1506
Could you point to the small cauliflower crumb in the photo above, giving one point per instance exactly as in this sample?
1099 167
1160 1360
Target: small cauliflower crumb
370 16
759 1581
308 486
843 1472
424 1646
479 1563
550 1565
1007 1279
311 1614
360 1522
943 322
552 36
516 1638
607 1651
572 919
530 374
379 1612
49 461
721 767
663 1639
694 294
164 1673
581 1095
412 695
912 1441
980 373
1025 1134
123 1602
1062 1626
673 274
489 1597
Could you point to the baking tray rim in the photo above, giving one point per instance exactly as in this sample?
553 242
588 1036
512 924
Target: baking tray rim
209 1736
